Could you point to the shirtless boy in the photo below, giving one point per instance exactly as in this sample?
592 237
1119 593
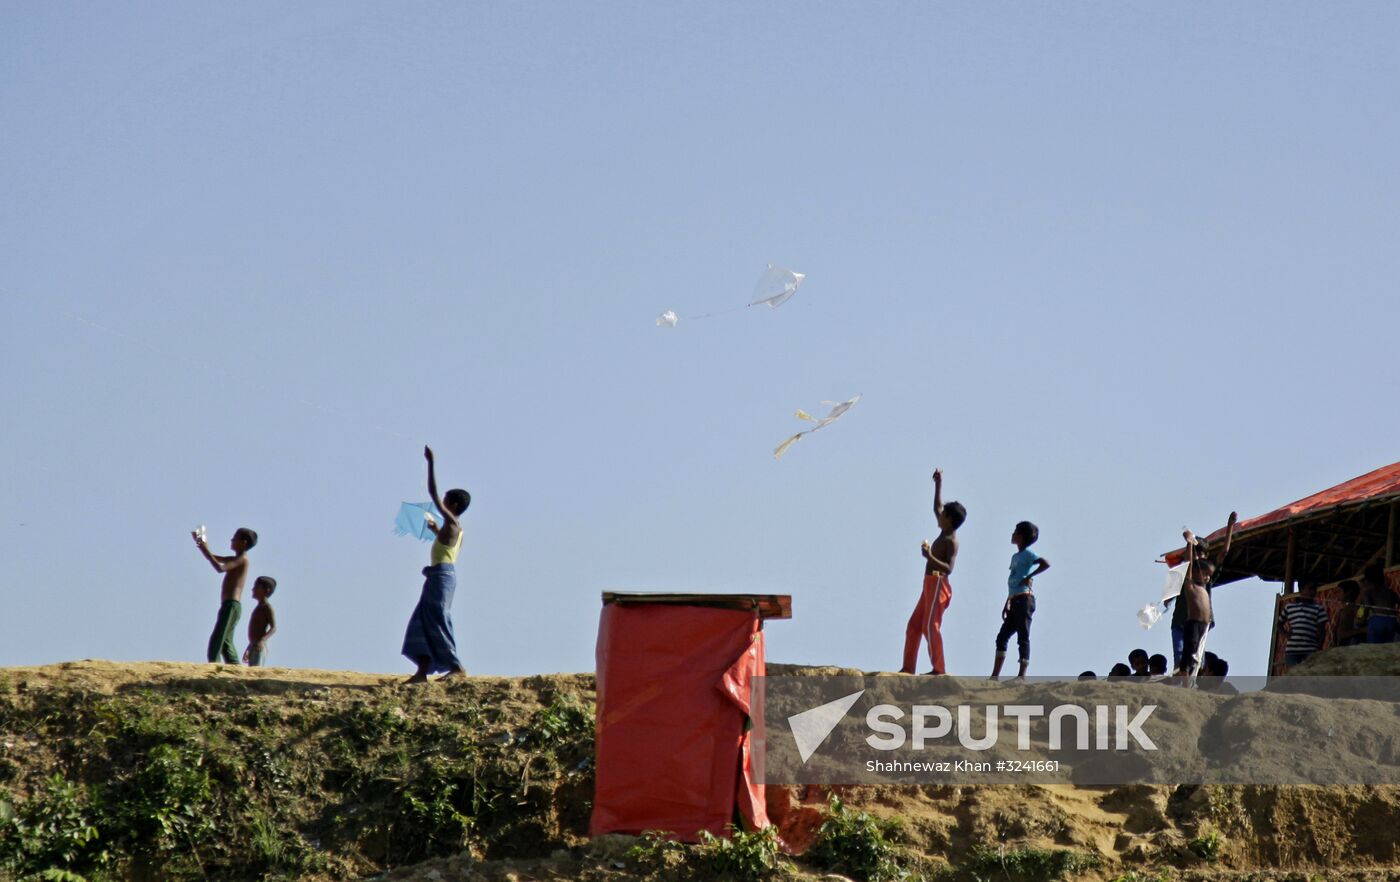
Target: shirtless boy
262 624
235 570
926 623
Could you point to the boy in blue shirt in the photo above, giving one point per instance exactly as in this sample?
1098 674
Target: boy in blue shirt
1020 602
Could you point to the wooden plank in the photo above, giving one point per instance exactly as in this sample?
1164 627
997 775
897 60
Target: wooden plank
768 606
1390 536
1288 585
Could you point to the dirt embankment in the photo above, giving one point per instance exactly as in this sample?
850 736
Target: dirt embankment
168 771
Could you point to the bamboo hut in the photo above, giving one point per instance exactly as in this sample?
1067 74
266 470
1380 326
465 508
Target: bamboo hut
1322 539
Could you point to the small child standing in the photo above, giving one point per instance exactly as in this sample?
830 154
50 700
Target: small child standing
235 570
1020 602
262 624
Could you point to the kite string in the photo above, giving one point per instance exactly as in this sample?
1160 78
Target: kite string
721 312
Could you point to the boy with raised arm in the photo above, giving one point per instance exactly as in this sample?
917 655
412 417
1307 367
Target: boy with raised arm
1020 602
235 570
926 623
1195 596
1197 552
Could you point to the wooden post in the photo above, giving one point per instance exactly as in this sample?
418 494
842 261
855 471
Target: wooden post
1288 586
1390 537
1272 664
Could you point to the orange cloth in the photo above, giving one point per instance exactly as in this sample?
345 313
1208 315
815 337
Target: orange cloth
927 623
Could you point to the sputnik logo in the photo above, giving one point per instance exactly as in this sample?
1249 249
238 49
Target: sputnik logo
812 727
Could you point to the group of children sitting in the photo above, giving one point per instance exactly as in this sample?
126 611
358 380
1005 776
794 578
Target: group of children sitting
1146 668
262 624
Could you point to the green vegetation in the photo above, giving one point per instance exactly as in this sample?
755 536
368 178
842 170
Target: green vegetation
210 782
1028 864
857 844
743 857
1208 845
740 857
656 853
54 828
1142 876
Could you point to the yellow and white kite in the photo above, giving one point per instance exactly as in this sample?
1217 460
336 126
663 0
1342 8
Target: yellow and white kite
838 408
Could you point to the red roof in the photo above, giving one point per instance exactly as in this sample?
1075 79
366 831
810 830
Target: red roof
1380 484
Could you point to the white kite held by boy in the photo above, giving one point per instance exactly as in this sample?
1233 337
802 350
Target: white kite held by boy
774 288
837 409
1150 614
1176 578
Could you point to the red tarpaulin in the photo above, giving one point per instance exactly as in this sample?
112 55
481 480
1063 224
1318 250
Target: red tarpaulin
673 735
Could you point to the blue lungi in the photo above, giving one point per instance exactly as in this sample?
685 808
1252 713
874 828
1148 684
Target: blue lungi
429 632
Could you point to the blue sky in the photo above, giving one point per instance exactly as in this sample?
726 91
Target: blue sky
1115 267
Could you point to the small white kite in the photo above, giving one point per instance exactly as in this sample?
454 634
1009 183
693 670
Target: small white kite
837 410
775 287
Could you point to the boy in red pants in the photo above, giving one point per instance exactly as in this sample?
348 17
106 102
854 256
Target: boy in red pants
927 621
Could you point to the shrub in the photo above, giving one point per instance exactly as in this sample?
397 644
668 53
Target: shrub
1208 845
857 844
655 851
1030 864
164 807
54 829
564 722
743 857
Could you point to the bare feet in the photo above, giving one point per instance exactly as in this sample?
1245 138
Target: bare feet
418 678
453 674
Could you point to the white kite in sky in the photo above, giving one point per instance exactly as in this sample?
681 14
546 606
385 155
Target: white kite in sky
838 408
775 287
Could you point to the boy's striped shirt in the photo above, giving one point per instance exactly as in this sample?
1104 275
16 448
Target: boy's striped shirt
1307 623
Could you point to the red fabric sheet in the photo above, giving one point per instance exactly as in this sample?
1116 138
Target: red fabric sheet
671 736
